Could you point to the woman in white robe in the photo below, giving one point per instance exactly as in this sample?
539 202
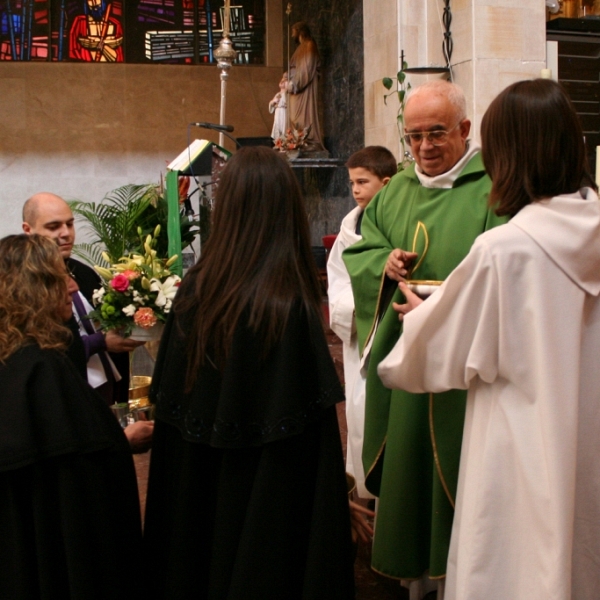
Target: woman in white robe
518 325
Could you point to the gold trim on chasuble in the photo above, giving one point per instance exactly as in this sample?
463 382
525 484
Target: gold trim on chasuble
378 313
420 228
376 460
436 457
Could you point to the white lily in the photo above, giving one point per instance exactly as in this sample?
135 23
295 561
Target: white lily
129 310
98 295
138 298
166 290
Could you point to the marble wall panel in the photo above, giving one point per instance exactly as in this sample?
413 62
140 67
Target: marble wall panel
499 32
381 55
379 16
435 34
511 4
534 40
413 12
458 5
386 135
413 45
462 33
493 76
382 59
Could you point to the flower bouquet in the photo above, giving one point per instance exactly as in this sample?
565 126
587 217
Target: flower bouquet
137 292
293 140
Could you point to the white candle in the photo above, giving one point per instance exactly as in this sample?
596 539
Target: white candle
546 74
597 164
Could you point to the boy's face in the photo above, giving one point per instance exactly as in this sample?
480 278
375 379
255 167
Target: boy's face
365 185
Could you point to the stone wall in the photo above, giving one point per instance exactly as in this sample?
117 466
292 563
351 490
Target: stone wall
81 130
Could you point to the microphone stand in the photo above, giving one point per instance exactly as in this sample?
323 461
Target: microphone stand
221 133
234 140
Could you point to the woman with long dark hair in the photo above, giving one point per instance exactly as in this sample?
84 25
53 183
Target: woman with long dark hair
518 325
247 495
69 507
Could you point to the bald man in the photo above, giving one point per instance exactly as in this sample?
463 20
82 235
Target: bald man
49 215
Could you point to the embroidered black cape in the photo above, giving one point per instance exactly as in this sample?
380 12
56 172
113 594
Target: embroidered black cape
69 508
247 494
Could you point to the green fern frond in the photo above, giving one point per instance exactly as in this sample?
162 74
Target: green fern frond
90 253
112 224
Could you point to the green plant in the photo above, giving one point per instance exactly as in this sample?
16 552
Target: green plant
113 223
402 87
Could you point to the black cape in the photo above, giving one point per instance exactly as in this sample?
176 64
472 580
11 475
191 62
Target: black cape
65 467
247 495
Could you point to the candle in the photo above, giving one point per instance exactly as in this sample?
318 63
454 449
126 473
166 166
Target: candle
546 74
226 19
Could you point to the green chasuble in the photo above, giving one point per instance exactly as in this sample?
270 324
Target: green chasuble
412 442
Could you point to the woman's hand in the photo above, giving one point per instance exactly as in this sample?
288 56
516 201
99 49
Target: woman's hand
412 301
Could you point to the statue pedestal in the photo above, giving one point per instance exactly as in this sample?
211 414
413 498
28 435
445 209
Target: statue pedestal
316 162
327 194
314 154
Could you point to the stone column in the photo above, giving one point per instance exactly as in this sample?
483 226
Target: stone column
496 42
381 58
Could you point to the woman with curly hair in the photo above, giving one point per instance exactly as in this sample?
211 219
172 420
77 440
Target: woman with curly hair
247 494
68 496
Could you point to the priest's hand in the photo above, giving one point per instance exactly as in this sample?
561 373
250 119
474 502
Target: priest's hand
412 301
398 263
117 343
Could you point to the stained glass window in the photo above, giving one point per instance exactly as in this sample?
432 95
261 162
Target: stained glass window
145 31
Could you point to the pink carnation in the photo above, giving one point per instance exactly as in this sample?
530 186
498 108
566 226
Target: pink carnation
131 275
145 318
119 283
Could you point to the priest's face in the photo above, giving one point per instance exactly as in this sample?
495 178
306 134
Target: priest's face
428 112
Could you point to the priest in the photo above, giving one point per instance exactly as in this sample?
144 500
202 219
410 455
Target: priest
420 226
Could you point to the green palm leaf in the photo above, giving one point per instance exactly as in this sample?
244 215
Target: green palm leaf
113 223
